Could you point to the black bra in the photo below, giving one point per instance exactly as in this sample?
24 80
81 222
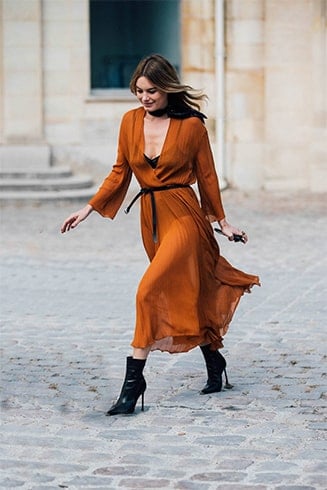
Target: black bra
152 161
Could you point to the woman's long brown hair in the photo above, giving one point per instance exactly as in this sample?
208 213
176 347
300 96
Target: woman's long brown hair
164 76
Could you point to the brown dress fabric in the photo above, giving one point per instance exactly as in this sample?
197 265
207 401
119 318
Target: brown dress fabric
189 292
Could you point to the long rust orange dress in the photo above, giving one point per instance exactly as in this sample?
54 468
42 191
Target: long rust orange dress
189 292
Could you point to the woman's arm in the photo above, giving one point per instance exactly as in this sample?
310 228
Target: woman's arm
113 189
210 194
75 218
206 175
230 231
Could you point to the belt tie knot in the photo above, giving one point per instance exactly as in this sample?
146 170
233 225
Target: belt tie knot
151 191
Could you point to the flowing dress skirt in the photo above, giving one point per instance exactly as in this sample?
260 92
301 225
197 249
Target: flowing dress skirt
189 292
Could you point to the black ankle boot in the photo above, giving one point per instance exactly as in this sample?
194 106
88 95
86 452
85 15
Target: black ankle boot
134 386
216 366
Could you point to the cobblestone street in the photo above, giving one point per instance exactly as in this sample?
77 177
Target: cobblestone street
67 319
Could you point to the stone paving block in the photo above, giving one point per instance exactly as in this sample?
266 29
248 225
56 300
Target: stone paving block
11 483
241 487
86 481
274 478
188 485
144 483
218 476
294 487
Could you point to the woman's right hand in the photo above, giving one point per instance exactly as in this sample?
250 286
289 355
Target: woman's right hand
75 219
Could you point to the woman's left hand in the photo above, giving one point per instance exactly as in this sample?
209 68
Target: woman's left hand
231 231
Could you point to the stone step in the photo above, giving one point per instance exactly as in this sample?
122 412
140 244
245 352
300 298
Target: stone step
44 184
49 173
54 184
38 196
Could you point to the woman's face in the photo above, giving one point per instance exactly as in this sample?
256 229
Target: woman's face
150 96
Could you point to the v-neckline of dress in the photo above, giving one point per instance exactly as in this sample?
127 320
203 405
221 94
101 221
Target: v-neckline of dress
163 145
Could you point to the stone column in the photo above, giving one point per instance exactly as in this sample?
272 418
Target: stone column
1 73
22 96
198 50
198 25
66 68
245 93
318 150
289 91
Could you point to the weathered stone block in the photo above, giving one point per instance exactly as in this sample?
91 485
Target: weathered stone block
245 32
245 9
247 165
16 10
21 33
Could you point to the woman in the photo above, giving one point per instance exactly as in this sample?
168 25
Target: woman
189 293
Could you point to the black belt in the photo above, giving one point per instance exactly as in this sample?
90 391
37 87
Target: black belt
151 191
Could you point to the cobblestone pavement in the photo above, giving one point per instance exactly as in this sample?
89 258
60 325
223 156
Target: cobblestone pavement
67 315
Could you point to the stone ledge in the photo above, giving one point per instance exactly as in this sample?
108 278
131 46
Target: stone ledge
47 196
55 184
24 156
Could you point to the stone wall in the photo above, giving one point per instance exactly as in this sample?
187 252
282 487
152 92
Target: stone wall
22 124
245 94
276 94
198 49
275 88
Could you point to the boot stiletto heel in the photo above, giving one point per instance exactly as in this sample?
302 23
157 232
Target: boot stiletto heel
133 387
228 386
216 366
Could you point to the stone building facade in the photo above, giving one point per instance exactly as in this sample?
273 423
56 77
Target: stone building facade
263 64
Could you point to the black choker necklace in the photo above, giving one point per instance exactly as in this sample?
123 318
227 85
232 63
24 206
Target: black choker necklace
158 112
178 112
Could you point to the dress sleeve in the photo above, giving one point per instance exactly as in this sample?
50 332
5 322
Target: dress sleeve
207 180
113 189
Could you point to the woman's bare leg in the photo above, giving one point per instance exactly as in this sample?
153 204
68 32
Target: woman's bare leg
141 353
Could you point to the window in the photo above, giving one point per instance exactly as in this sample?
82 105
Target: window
124 31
